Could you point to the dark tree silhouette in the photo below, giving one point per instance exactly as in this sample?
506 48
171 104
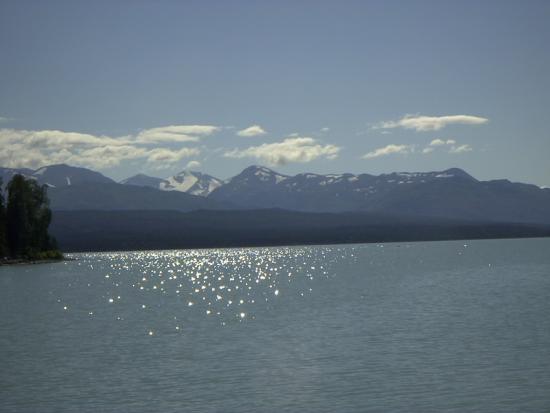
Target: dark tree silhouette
3 241
28 218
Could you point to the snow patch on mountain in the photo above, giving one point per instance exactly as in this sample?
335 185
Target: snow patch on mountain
181 182
194 183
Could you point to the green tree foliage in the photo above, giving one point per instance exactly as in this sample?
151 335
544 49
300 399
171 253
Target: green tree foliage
28 218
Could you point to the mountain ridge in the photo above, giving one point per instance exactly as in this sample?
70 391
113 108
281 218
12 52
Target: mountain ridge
451 193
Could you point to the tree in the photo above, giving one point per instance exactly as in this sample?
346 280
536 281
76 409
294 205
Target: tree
28 217
3 241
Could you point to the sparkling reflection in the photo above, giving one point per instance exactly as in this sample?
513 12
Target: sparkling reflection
219 284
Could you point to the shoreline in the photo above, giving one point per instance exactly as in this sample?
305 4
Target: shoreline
22 261
303 244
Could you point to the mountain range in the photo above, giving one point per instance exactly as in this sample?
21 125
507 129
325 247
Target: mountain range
448 194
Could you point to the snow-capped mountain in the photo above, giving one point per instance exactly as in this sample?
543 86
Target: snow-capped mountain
261 187
451 193
191 182
143 180
261 174
255 187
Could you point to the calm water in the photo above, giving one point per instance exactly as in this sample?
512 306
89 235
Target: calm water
421 327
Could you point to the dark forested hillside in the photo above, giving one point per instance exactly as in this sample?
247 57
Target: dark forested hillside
129 230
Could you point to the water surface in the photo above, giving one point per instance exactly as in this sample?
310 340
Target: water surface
420 327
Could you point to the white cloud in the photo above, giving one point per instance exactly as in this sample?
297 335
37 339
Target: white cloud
175 133
388 150
193 165
204 130
324 130
24 148
56 138
156 136
431 123
165 155
441 142
4 119
298 149
37 148
17 155
437 142
254 130
460 149
103 156
449 145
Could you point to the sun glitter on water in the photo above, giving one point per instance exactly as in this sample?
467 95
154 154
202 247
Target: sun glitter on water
219 284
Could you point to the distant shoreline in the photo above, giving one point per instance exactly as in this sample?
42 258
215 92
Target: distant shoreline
302 244
11 262
21 261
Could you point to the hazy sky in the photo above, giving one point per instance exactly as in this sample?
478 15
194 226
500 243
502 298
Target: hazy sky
317 86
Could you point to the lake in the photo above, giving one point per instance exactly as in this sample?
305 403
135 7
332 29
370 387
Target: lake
418 327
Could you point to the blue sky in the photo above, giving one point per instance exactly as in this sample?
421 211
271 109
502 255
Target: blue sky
353 86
